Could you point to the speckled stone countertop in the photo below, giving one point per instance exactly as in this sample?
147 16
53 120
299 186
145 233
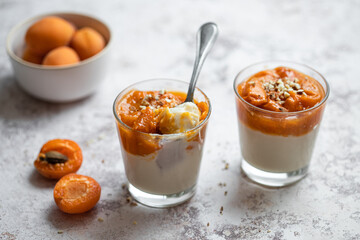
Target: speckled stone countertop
157 39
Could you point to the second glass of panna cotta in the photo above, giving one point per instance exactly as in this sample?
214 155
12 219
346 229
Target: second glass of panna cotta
279 106
161 140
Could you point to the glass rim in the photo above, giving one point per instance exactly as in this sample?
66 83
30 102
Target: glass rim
327 90
157 134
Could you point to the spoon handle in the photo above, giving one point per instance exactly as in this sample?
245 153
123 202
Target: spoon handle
206 37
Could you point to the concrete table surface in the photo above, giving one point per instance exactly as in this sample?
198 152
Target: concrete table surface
157 39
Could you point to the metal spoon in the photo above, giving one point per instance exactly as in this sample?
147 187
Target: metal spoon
206 37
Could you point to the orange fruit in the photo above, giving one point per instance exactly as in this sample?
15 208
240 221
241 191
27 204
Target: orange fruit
49 33
58 158
87 42
32 57
61 56
76 193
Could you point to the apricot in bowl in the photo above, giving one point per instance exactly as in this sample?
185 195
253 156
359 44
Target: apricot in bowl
61 56
58 83
87 42
49 33
52 32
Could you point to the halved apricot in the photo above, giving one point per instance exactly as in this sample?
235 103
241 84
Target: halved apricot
58 158
76 193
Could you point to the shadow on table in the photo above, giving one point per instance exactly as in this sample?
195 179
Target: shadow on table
16 103
39 181
64 221
116 218
98 219
258 198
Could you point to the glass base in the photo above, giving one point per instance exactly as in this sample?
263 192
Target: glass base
272 179
161 201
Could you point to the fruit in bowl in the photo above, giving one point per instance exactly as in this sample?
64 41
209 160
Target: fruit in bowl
55 41
46 59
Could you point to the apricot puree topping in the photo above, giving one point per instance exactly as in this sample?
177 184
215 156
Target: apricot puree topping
141 111
280 90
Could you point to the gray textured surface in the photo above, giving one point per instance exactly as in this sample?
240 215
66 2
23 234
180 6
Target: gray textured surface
156 39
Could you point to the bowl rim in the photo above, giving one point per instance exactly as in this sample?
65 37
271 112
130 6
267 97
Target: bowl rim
18 26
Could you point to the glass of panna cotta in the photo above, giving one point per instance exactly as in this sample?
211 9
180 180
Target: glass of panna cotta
161 139
279 107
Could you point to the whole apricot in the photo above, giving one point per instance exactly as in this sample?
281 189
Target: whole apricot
61 56
49 33
87 42
31 56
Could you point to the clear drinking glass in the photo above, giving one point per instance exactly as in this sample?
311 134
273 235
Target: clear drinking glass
162 169
277 157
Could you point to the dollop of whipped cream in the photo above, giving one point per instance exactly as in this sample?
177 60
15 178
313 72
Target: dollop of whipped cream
179 119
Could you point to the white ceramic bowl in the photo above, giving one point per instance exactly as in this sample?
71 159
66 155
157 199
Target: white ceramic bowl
59 83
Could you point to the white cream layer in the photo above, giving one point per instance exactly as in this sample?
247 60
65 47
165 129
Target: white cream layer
172 169
273 153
